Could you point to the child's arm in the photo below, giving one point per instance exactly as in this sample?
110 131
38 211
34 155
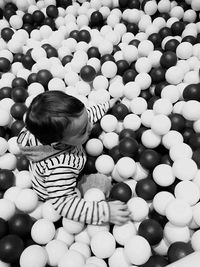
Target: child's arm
96 112
61 191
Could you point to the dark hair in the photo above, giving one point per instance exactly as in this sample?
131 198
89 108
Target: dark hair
50 113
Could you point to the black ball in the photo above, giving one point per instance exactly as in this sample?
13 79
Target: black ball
164 32
74 34
187 132
158 217
96 19
114 152
156 261
7 179
146 94
66 59
3 227
27 62
149 159
84 36
177 122
179 250
134 4
122 66
16 127
190 39
120 111
151 102
151 230
146 188
88 73
192 92
51 52
22 163
157 74
121 191
11 247
132 27
128 147
194 141
20 224
28 19
129 75
28 27
5 92
64 3
134 42
52 11
50 22
7 33
168 59
19 82
107 57
196 157
32 78
126 132
90 165
156 39
5 64
18 57
43 77
123 3
8 13
93 52
2 131
171 45
96 130
19 94
18 110
177 28
38 16
158 88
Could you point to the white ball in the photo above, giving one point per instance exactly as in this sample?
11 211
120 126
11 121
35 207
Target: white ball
131 90
130 53
144 80
27 200
116 89
118 258
5 117
13 146
162 106
139 208
38 53
188 191
143 64
71 258
147 117
56 84
8 161
109 69
23 179
43 231
123 232
109 123
163 175
172 138
179 212
180 150
171 92
33 255
150 139
141 246
97 261
145 48
16 22
12 193
185 168
174 75
132 121
83 237
94 147
82 248
64 236
110 140
55 250
138 105
7 209
35 89
100 82
191 110
174 233
195 240
49 213
161 124
108 241
3 146
161 200
126 167
72 227
92 229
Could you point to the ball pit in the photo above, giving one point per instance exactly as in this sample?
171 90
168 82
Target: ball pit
145 53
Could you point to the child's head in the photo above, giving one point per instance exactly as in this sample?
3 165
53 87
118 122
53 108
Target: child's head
54 116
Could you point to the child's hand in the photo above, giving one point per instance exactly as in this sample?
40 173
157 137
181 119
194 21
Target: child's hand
113 101
119 213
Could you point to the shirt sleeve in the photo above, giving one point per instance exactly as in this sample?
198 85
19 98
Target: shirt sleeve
96 112
60 186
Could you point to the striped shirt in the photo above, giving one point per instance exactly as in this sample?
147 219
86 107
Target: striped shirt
54 178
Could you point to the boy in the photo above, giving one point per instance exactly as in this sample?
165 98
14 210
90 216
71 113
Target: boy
57 125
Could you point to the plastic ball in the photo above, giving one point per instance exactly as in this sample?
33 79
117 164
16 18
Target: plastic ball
174 75
161 200
163 175
7 179
138 207
94 147
11 247
92 194
128 147
43 77
8 161
43 231
104 164
109 123
174 233
72 227
34 255
146 188
139 244
195 240
55 250
118 258
179 212
150 139
27 200
20 224
162 106
184 169
120 111
5 117
5 64
160 124
87 73
109 69
178 250
168 59
106 238
49 213
191 110
123 232
121 191
151 230
7 209
126 167
71 258
138 105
